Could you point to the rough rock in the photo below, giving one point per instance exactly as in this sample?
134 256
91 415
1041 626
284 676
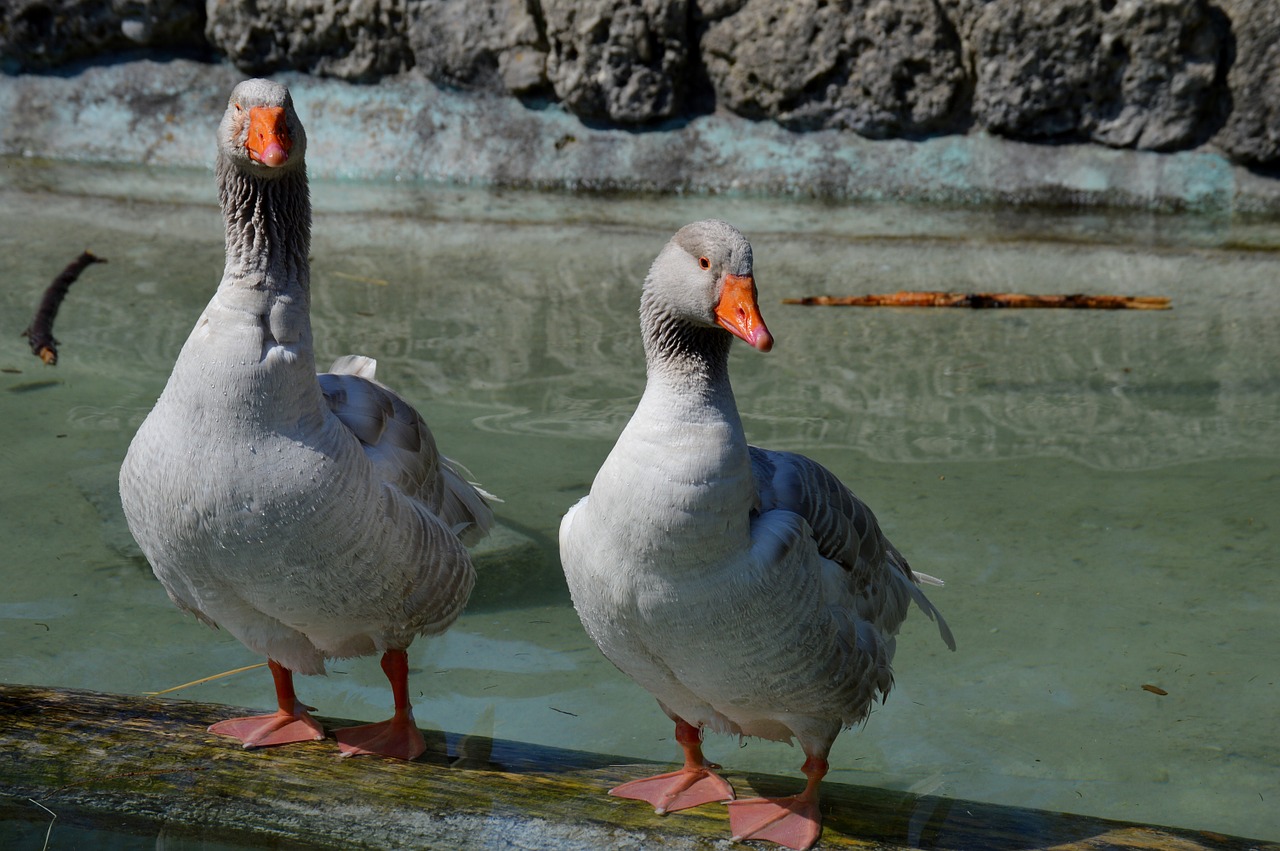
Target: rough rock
1118 72
877 67
621 61
42 34
1163 56
1166 75
357 40
1251 133
482 44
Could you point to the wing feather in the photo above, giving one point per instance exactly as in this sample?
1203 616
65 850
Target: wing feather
398 443
845 531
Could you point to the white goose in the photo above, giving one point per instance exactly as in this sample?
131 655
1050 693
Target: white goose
309 516
749 591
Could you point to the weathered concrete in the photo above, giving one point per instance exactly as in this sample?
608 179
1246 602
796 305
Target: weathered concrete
406 128
150 759
1164 75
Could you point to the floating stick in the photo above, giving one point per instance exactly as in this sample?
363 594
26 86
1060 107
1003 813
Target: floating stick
928 298
40 332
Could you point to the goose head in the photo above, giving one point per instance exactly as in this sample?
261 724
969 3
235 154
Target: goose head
260 132
703 278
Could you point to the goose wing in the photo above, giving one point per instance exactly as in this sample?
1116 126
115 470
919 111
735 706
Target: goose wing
845 531
401 448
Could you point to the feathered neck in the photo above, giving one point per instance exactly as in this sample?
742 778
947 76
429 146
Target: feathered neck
268 227
676 350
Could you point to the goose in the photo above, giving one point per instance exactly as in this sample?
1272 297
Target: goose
311 516
748 590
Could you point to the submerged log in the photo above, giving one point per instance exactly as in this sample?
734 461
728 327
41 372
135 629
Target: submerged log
935 298
151 761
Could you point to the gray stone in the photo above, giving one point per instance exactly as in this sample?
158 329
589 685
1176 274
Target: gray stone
624 61
1251 134
1034 66
42 34
1119 72
1160 60
482 44
877 67
358 40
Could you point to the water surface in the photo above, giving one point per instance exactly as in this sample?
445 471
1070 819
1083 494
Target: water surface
1098 489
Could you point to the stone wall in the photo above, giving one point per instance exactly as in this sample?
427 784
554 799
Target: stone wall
1159 75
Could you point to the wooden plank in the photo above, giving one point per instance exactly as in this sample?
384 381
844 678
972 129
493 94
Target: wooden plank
149 758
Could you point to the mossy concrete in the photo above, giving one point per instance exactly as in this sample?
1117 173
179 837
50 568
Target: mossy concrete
406 129
143 758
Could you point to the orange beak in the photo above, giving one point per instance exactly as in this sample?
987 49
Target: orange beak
269 141
739 314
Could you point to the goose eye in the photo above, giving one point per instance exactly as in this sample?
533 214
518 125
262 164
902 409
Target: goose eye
704 262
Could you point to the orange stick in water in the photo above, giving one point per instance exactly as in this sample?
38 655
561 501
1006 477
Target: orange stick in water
936 298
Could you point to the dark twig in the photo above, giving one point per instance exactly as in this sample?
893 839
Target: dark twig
40 332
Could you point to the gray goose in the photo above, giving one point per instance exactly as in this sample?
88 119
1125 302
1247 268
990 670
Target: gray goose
748 590
310 516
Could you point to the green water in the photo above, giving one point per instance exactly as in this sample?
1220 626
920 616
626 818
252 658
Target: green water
1098 489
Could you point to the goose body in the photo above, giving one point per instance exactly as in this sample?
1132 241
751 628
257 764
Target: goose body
748 590
311 516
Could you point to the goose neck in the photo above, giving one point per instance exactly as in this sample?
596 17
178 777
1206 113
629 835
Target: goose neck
691 357
268 228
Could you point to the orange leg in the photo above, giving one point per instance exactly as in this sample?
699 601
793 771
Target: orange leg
396 737
290 723
794 822
692 785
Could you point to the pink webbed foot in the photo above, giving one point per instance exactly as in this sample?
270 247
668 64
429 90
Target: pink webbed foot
677 790
693 785
278 728
793 822
397 737
288 724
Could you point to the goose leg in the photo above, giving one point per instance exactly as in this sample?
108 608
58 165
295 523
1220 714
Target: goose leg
290 723
794 822
396 737
692 785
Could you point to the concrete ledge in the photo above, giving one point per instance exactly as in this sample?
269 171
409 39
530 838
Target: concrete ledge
406 129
